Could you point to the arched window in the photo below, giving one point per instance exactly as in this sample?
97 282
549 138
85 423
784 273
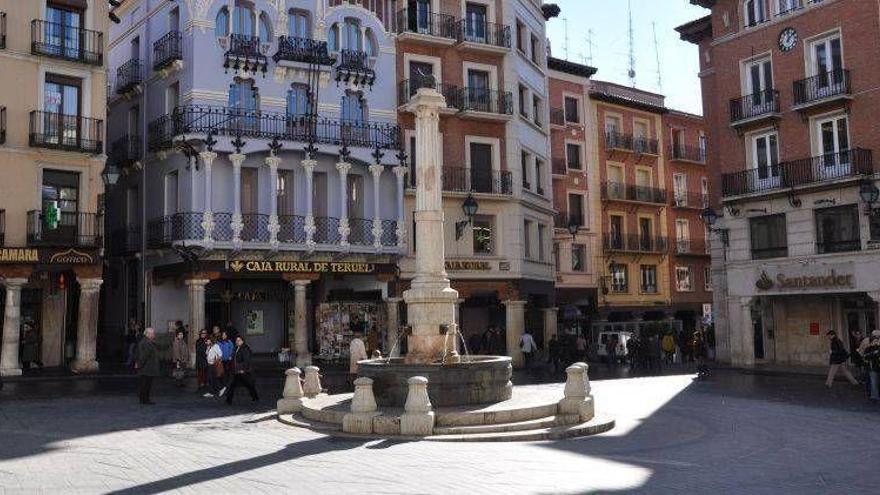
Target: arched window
354 107
352 35
370 44
244 21
298 103
221 24
333 38
298 24
265 28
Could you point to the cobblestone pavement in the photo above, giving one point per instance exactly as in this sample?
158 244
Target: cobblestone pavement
733 433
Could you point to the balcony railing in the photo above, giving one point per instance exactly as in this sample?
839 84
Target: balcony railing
824 86
66 132
471 180
628 142
485 100
245 53
634 243
67 42
408 88
484 33
224 121
167 50
129 75
685 153
688 199
560 167
619 191
817 169
2 125
125 241
360 231
306 50
354 67
557 116
691 247
751 107
563 219
69 229
426 23
126 150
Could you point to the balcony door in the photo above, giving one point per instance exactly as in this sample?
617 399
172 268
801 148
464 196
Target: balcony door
61 107
476 22
834 141
62 31
60 194
828 67
759 85
646 240
244 21
615 231
481 167
249 204
419 16
478 91
765 159
682 235
643 185
616 182
298 25
244 104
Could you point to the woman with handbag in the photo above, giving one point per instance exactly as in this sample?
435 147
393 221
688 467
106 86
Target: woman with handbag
179 359
837 360
214 357
243 374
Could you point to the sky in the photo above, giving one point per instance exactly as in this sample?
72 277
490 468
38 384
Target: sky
608 20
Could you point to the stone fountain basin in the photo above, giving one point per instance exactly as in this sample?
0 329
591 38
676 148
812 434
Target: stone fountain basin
475 380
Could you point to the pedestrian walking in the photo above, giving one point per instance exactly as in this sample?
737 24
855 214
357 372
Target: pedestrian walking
214 357
147 364
701 354
132 337
202 360
837 360
243 374
554 353
179 358
871 355
668 345
528 347
227 348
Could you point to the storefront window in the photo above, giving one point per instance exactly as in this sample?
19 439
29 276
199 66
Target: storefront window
837 229
618 278
768 234
483 241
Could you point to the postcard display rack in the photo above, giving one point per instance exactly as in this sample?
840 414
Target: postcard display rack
335 330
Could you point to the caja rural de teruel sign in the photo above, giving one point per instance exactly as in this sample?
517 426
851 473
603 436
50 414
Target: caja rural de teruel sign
277 266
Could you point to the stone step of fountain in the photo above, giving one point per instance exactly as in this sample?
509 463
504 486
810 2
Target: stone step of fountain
598 424
532 424
303 422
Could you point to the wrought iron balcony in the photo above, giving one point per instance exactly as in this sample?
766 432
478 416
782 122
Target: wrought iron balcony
129 75
754 107
231 122
167 50
691 247
472 180
615 140
125 241
70 229
361 231
824 87
408 88
684 153
633 243
306 50
292 229
829 167
484 100
126 151
426 23
688 199
66 132
354 67
245 53
563 219
619 191
2 125
55 40
483 33
557 116
560 167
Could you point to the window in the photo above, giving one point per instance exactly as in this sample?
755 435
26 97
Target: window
641 135
243 95
298 101
769 236
476 22
575 209
646 234
643 185
355 196
524 166
615 231
134 121
616 188
333 38
539 174
135 47
682 236
265 28
755 12
759 84
62 32
478 96
483 235
536 110
874 224
648 279
837 229
171 195
172 97
536 50
677 143
61 99
707 278
578 258
618 278
827 62
354 107
573 156
572 110
542 236
834 143
61 189
683 279
704 147
523 101
221 23
556 256
765 159
786 6
371 46
679 189
319 194
174 19
520 37
298 24
481 167
527 239
352 34
244 21
284 190
704 191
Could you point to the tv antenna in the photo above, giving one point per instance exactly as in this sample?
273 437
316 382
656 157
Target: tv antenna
590 46
632 52
657 57
565 30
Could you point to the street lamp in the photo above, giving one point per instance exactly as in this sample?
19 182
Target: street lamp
110 175
573 228
869 194
470 208
710 218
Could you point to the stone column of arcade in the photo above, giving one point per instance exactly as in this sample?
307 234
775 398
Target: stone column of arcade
195 294
516 322
9 363
300 331
430 300
87 326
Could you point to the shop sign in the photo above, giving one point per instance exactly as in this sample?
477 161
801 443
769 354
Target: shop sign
239 266
830 280
48 256
468 266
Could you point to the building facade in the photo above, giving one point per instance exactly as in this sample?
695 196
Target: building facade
52 112
259 140
787 91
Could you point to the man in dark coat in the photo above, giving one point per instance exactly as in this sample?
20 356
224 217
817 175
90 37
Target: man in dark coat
243 375
147 365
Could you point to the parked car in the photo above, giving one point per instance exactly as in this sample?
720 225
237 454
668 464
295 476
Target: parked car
602 341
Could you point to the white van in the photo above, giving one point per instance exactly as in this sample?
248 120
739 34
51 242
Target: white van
622 339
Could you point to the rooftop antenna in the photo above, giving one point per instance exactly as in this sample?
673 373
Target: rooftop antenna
565 28
590 46
657 56
632 52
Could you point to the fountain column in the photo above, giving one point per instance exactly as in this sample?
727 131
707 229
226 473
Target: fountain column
392 349
430 300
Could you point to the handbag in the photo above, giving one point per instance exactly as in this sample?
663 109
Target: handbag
218 368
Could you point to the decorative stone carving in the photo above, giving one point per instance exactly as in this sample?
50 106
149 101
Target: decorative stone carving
198 9
312 386
577 403
291 397
418 418
363 408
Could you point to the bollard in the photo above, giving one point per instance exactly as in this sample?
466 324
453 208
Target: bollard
312 386
577 403
291 397
418 418
363 408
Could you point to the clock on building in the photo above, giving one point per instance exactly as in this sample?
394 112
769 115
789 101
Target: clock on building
788 38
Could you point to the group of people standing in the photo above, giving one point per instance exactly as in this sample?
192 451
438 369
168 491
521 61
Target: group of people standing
222 363
651 351
865 356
